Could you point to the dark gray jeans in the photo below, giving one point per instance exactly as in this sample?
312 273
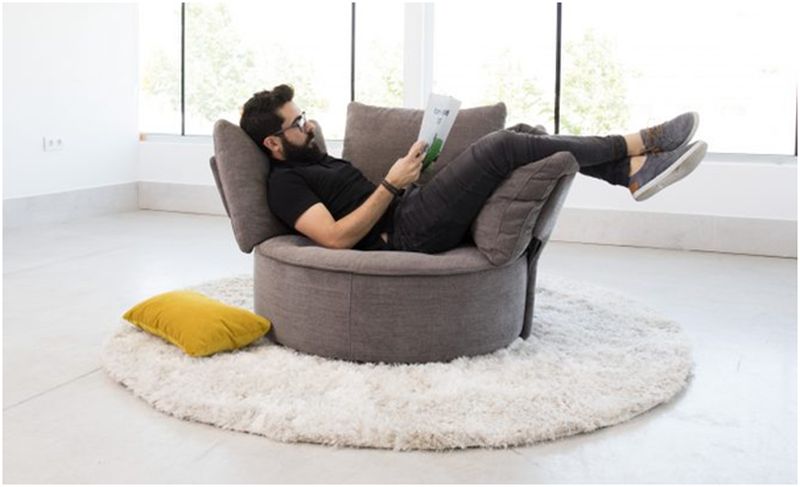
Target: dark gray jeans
437 216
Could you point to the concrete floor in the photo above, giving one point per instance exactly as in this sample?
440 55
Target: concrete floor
66 286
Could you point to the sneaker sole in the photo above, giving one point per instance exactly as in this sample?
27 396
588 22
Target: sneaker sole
679 169
695 124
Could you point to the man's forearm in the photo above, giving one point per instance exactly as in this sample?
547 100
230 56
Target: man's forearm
353 227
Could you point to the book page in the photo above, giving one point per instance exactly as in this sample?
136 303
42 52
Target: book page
440 114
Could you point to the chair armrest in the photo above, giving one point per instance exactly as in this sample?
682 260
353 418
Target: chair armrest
526 204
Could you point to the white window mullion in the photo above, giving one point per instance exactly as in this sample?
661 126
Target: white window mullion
418 54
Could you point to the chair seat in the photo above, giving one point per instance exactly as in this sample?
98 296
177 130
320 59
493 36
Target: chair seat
302 251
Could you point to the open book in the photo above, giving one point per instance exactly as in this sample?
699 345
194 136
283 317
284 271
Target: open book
437 121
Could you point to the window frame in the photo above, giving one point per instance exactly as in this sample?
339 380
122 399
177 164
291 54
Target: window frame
418 73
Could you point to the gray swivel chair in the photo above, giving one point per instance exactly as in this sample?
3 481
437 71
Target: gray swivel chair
395 306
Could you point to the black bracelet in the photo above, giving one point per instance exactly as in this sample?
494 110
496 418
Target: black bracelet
386 184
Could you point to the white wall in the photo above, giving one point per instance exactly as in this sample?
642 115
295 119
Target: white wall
739 206
69 70
718 188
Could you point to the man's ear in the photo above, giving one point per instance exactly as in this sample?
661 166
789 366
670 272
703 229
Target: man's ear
272 144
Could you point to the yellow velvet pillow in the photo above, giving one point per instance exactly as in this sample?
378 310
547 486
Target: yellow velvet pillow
197 324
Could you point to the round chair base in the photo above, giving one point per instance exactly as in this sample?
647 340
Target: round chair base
388 306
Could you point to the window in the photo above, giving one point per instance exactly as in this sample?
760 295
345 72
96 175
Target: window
624 65
379 54
483 55
160 68
627 65
239 48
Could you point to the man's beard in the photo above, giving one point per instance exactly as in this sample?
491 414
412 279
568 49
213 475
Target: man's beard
308 152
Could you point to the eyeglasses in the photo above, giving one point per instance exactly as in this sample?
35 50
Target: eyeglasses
299 122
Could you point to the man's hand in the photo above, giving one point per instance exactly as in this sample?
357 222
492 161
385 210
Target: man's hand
407 169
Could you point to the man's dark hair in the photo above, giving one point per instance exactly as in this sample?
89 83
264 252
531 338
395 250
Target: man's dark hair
260 114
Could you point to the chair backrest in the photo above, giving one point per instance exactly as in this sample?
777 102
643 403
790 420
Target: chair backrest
241 170
375 137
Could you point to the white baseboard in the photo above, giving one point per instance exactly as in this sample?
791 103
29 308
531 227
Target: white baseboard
753 236
68 205
184 198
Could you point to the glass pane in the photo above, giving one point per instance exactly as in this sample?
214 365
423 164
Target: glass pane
379 54
160 68
235 49
506 52
627 65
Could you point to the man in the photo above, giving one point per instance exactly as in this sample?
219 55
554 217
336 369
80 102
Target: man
332 203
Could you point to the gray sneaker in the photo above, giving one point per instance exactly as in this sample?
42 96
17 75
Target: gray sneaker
670 135
664 168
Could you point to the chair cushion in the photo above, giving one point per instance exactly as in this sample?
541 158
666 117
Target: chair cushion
504 226
241 170
197 324
375 137
303 252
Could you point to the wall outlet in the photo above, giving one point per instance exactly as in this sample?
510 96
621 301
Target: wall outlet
52 143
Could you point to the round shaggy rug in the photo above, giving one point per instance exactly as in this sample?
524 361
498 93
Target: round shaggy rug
594 359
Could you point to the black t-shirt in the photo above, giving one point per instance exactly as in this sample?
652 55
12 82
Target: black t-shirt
294 187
